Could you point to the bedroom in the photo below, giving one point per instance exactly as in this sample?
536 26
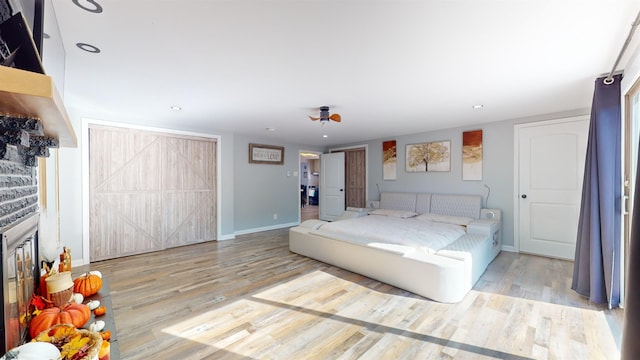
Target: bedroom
252 194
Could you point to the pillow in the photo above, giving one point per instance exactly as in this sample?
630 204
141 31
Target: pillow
449 219
393 213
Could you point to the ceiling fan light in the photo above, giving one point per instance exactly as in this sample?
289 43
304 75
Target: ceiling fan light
324 116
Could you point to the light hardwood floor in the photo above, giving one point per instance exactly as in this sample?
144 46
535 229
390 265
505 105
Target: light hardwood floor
250 298
309 212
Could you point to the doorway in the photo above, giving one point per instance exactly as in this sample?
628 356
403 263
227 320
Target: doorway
309 182
355 164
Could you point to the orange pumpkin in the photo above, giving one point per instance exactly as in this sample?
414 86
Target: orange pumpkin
100 310
87 284
75 314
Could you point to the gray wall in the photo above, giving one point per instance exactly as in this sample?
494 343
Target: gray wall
262 190
498 166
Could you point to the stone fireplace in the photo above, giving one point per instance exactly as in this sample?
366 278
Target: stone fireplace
20 278
21 142
33 119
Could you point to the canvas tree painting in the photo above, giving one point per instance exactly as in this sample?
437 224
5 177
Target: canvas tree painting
472 155
389 161
426 157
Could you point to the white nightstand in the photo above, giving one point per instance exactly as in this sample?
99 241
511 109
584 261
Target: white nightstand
488 228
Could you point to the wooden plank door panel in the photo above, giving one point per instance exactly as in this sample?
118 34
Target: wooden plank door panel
190 164
188 218
124 200
355 187
189 198
129 224
122 162
149 191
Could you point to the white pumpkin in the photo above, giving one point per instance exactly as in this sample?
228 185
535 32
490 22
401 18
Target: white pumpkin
93 304
92 272
97 326
78 298
33 351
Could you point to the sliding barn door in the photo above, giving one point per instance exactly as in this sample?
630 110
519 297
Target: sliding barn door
149 191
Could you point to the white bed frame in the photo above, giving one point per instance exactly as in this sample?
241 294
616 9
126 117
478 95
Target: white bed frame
446 276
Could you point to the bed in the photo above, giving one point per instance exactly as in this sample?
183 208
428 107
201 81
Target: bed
434 245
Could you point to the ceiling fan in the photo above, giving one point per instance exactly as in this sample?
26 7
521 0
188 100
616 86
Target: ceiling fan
325 116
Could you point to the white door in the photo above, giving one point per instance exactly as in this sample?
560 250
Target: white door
331 199
551 158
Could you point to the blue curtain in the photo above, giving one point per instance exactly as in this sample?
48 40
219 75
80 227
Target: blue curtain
596 270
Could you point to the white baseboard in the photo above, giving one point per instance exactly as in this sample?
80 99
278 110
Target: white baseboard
266 228
75 262
226 237
509 248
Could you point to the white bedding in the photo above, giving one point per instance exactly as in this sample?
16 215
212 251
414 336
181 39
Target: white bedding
392 233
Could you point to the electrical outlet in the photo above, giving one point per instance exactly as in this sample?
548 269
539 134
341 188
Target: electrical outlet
275 216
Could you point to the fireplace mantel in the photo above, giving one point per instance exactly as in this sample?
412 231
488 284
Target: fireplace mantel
31 94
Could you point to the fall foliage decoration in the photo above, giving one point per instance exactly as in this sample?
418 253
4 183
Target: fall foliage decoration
73 343
105 350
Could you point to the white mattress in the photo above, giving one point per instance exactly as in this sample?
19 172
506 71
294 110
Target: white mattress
394 234
382 248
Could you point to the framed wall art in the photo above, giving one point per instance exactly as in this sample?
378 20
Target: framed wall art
266 154
472 155
389 160
427 157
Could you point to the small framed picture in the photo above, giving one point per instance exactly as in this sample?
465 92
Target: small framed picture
266 154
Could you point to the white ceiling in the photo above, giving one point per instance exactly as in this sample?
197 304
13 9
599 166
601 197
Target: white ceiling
388 67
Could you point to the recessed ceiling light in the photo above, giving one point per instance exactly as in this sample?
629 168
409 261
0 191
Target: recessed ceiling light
270 129
478 106
176 108
325 136
96 8
88 48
